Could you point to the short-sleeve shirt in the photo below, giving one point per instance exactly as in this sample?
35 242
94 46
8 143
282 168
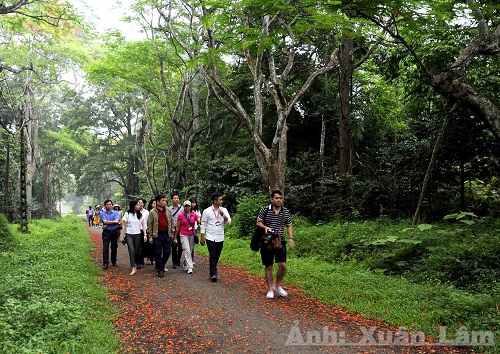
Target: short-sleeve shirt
273 220
187 227
133 224
145 215
177 211
110 216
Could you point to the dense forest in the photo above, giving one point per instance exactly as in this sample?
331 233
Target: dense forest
354 109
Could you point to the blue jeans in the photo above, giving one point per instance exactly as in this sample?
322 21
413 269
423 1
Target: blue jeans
163 247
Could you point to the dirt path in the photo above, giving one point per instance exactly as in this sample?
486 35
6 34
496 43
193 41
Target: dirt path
186 313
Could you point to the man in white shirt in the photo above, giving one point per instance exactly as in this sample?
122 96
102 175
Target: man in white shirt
146 248
176 210
212 231
90 216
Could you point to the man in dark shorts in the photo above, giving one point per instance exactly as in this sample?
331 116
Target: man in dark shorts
275 217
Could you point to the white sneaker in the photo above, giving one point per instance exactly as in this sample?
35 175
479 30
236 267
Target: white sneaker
280 290
270 295
190 271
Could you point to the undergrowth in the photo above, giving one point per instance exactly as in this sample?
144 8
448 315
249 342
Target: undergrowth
445 274
49 298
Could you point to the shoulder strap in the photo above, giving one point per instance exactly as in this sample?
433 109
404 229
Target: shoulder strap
282 219
179 208
265 214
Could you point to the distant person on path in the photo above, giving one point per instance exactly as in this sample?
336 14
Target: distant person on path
275 217
145 246
176 210
133 232
186 230
161 232
110 223
152 253
195 209
90 215
97 215
118 208
212 231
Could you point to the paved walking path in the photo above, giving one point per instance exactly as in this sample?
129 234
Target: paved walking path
186 313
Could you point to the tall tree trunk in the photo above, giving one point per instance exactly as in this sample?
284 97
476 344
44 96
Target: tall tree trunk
427 177
31 128
273 162
46 208
59 193
462 185
149 169
322 147
23 205
195 99
133 178
33 154
8 210
346 68
345 72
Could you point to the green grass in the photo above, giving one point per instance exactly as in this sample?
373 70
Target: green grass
50 301
349 282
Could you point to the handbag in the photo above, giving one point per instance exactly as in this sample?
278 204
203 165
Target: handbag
276 243
256 239
196 239
257 235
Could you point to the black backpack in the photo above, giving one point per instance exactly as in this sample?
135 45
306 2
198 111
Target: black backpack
257 235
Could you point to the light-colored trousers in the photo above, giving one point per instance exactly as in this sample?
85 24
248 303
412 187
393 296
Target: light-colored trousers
187 243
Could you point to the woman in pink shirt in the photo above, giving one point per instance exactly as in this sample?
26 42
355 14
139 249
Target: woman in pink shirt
186 229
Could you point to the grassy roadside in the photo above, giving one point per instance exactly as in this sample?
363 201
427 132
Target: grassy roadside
394 300
50 301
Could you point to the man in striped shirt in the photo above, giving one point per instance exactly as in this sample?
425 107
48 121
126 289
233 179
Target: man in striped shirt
275 217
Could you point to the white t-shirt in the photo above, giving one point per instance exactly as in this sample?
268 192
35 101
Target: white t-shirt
133 225
145 216
178 210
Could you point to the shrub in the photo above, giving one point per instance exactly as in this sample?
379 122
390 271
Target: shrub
248 209
472 263
6 237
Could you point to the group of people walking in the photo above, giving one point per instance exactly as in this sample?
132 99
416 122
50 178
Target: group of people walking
160 230
94 215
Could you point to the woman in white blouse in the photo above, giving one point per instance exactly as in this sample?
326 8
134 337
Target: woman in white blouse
133 232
